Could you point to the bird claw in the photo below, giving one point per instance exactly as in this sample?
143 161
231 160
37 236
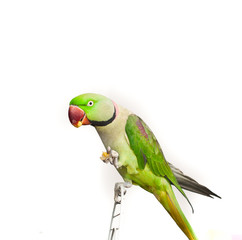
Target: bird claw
110 156
120 190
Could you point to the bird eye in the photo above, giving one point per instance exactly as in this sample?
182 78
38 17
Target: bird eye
90 103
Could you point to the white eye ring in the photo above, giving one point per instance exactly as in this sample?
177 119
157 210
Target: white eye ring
90 103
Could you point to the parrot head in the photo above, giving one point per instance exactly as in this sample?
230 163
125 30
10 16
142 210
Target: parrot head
93 109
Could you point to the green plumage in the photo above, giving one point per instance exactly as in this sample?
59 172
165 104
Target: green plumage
147 150
141 160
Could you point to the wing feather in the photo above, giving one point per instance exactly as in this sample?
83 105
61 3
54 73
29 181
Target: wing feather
141 138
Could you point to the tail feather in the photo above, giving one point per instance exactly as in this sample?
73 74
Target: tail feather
190 184
167 198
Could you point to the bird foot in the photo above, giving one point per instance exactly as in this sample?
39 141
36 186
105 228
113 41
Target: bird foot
120 190
110 156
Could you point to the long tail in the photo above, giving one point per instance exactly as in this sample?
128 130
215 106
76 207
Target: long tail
167 198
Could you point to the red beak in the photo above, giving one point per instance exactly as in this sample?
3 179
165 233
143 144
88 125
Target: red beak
77 116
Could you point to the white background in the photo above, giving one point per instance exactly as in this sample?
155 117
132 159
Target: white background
177 64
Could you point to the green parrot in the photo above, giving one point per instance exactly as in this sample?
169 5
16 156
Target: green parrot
134 150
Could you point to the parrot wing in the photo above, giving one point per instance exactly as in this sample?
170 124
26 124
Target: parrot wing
148 151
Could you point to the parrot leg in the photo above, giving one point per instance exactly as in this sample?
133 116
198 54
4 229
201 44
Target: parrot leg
120 190
110 156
